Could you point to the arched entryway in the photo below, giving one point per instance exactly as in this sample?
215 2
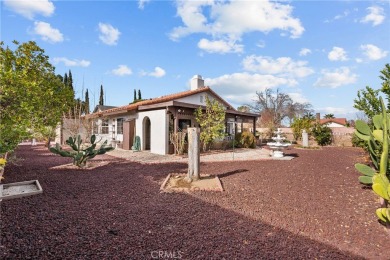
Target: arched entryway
146 133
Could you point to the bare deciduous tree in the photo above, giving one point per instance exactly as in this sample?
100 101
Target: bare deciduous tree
274 107
74 122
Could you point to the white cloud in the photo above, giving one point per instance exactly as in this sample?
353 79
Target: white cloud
298 97
71 63
231 19
220 46
283 66
157 73
375 16
108 34
344 14
31 8
336 78
122 70
240 88
335 110
304 52
338 17
373 52
358 60
261 44
141 3
337 54
47 32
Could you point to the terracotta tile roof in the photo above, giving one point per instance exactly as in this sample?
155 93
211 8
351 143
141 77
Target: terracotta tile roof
159 100
341 121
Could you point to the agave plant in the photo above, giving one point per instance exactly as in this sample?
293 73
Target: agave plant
80 154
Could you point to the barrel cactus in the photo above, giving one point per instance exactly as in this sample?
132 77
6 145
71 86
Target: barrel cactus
80 154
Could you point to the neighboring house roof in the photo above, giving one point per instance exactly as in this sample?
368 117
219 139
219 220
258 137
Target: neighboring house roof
340 121
163 99
100 108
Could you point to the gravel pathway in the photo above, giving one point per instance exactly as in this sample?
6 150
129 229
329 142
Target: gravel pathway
241 154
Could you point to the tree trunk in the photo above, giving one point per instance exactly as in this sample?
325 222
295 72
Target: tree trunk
193 154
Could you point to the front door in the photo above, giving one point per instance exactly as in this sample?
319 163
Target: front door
128 134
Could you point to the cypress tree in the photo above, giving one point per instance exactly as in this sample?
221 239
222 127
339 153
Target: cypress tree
135 96
66 79
139 95
70 81
86 104
101 99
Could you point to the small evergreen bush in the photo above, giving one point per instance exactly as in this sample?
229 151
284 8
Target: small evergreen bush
245 140
322 134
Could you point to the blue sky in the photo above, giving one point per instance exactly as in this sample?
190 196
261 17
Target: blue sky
320 52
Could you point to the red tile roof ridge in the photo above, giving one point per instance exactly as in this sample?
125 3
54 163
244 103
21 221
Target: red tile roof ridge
151 101
341 121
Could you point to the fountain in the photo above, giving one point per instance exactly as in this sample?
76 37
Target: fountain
277 146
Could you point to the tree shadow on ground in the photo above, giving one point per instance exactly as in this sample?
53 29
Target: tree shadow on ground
226 174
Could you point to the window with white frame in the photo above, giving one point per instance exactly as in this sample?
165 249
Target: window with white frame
104 127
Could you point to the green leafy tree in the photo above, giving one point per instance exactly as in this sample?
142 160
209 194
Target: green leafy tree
101 98
329 116
322 134
385 76
211 121
31 95
367 101
300 124
139 95
135 96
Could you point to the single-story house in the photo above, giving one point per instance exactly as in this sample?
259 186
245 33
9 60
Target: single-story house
154 119
334 122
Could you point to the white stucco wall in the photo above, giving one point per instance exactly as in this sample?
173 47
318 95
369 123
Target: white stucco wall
111 121
158 130
197 99
333 124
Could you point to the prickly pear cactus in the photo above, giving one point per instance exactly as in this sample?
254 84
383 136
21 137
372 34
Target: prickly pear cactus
80 154
367 172
378 143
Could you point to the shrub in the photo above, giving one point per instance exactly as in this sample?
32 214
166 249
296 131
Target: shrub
300 124
322 134
245 140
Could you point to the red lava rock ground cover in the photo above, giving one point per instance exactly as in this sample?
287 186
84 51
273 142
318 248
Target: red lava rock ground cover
310 207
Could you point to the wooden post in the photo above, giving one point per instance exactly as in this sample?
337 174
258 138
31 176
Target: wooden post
254 126
193 154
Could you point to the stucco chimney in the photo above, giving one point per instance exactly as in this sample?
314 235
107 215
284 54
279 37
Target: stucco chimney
318 117
197 82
